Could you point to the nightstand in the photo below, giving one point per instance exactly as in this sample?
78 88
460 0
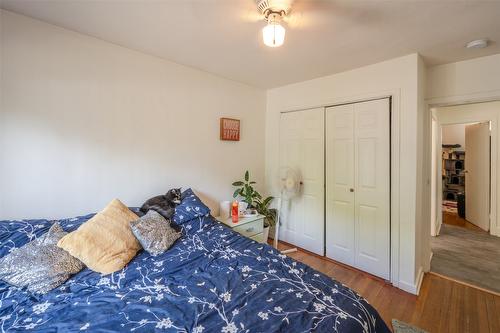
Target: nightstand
251 227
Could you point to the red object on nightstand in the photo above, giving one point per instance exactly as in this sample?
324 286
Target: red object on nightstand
234 211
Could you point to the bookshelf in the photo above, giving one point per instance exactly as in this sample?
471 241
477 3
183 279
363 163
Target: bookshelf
453 171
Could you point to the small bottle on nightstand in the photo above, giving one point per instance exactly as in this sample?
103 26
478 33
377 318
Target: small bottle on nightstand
235 211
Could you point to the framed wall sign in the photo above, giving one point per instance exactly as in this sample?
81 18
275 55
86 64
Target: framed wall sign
229 129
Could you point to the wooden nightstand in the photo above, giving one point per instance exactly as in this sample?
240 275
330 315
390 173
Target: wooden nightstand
250 227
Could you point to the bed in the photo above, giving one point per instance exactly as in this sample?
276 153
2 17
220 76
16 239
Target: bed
211 280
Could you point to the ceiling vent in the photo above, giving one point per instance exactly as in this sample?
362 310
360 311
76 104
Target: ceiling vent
477 44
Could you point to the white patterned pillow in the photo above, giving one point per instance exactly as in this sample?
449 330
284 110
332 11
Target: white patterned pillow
40 265
154 232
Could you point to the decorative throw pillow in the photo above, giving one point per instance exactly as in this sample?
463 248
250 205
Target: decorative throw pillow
40 265
154 232
190 207
104 243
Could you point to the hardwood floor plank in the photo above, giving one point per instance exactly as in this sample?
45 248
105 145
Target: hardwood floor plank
431 310
470 305
454 219
442 304
446 308
493 313
482 311
370 289
457 319
421 299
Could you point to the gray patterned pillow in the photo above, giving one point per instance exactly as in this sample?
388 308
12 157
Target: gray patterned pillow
154 233
40 265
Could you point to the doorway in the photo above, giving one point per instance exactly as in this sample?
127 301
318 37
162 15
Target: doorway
465 170
463 248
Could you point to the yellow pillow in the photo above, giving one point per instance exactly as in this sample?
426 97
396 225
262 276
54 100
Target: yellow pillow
104 243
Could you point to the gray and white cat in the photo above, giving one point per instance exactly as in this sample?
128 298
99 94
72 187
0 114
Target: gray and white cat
163 204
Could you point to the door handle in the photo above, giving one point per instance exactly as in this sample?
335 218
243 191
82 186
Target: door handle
250 229
351 190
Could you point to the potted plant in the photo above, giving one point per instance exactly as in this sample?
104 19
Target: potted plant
262 207
255 201
246 191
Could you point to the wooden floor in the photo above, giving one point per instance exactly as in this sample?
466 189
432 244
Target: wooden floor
454 219
442 306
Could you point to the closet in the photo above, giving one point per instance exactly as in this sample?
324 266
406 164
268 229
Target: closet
357 182
302 148
343 156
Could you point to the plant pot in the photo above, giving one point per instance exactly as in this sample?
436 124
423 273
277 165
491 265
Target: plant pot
272 232
270 224
265 234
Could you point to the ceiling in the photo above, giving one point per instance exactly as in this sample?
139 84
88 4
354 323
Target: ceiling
322 37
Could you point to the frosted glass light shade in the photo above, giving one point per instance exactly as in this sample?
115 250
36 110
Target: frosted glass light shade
273 34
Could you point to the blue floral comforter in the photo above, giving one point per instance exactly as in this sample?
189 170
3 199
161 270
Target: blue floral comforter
211 280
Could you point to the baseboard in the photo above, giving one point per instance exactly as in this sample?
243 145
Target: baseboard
438 231
413 288
403 285
427 267
420 278
495 232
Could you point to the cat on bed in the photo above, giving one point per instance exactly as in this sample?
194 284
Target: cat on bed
164 204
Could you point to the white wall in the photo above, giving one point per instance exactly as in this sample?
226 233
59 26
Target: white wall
83 121
397 77
454 134
469 80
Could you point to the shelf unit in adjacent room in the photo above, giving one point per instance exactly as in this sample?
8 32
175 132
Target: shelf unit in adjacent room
453 170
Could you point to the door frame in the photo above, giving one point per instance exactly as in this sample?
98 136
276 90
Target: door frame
465 119
429 104
435 174
396 214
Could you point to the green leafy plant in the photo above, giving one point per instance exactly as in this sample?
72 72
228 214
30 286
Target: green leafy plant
254 199
246 190
262 207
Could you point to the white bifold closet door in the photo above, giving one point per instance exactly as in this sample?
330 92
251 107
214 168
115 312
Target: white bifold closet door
302 148
358 185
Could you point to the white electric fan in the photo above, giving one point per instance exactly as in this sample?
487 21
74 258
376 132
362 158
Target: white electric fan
289 185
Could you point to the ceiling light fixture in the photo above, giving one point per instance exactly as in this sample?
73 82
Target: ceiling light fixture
273 33
477 44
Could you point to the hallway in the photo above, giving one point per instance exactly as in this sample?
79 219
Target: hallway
466 253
